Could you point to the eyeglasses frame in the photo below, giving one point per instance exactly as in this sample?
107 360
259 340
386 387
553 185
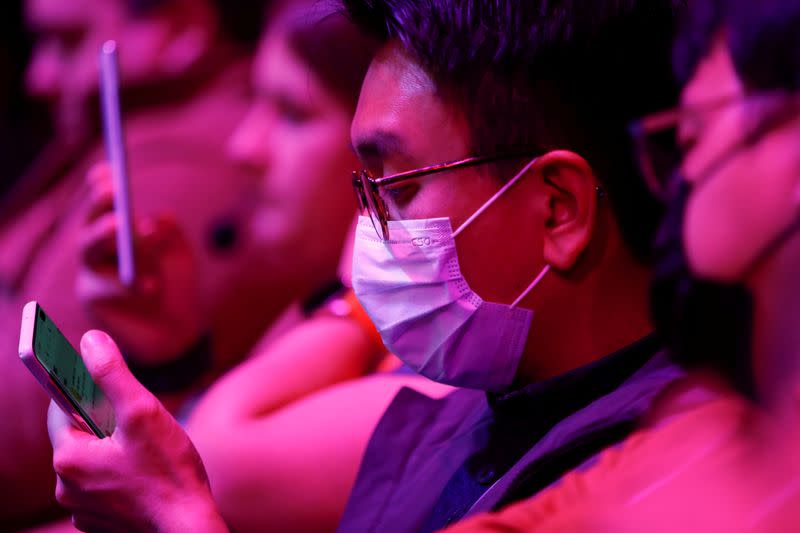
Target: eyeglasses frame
366 185
661 121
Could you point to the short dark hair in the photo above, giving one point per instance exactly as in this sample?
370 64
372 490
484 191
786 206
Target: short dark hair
329 44
763 38
240 20
143 7
547 74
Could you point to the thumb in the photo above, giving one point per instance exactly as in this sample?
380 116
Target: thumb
110 372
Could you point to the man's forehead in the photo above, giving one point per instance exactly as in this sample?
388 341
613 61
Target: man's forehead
46 13
393 61
394 81
398 96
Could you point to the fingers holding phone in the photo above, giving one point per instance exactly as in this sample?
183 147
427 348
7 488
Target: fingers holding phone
152 236
158 315
147 475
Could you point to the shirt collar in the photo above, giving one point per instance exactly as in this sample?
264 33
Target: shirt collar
566 393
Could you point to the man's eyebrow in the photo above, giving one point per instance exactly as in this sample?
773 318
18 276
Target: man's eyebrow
379 145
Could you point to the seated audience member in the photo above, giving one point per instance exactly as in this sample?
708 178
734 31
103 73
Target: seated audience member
179 76
294 217
724 457
532 113
258 428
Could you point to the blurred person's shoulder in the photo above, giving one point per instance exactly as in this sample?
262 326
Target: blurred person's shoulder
692 425
726 465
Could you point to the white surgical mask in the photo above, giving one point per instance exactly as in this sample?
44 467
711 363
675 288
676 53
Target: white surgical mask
412 288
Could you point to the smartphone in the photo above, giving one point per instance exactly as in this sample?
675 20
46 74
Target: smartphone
61 371
115 150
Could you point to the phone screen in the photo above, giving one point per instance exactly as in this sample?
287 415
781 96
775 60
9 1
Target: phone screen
67 369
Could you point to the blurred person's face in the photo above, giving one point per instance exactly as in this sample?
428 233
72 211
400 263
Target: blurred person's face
68 34
743 195
296 137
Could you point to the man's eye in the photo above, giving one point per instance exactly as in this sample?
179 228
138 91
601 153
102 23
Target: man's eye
401 195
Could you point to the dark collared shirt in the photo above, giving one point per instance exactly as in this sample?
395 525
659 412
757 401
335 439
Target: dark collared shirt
431 462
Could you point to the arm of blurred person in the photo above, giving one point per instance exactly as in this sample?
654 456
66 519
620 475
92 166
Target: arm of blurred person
147 476
286 428
319 352
157 317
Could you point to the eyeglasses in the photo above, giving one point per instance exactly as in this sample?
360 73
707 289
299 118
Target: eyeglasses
368 187
656 136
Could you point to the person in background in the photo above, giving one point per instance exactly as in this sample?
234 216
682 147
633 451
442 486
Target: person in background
304 380
517 136
722 452
302 386
180 76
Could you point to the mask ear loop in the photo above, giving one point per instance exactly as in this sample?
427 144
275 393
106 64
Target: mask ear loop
487 205
532 286
494 198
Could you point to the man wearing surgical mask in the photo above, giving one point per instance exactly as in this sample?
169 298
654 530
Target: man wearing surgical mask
497 250
723 455
180 72
502 249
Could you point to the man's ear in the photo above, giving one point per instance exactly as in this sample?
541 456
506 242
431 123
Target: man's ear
571 207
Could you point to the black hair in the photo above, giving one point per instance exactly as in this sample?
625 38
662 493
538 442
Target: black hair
763 38
547 74
144 7
329 44
694 36
765 43
705 325
240 20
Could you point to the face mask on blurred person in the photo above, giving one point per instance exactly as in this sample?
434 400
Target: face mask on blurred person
704 323
412 288
727 235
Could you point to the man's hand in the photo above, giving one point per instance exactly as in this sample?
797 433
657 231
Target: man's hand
159 317
147 476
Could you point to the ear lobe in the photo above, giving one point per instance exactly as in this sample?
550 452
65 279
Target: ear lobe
571 207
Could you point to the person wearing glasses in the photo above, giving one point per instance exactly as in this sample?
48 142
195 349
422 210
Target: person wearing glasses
181 69
724 454
256 425
502 249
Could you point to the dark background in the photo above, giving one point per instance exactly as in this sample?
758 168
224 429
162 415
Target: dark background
24 125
